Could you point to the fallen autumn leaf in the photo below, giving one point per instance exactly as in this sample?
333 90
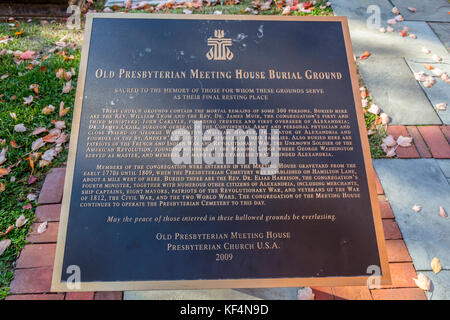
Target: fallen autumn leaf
423 282
20 221
436 265
42 227
4 244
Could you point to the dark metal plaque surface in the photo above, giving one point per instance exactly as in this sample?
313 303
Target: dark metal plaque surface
133 219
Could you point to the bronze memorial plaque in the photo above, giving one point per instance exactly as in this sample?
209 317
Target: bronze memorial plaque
218 152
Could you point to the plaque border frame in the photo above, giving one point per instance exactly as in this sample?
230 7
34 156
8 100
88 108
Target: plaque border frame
59 286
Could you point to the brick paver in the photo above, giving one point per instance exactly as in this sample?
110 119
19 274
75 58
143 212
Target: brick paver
398 294
402 275
403 152
37 255
436 140
50 235
53 187
446 131
109 295
45 296
323 293
50 212
378 183
36 280
80 296
418 141
391 229
385 209
397 251
352 293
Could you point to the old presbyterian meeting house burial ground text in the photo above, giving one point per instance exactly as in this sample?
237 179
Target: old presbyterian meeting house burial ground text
217 152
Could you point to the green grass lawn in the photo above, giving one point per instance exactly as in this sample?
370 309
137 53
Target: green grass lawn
227 7
24 169
25 164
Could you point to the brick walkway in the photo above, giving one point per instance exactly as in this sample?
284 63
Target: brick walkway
34 267
429 141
